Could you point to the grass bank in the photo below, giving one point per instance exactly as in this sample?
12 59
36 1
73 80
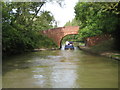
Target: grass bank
105 48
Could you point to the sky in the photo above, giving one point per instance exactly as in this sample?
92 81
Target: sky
61 14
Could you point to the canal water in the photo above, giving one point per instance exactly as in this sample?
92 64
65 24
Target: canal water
59 69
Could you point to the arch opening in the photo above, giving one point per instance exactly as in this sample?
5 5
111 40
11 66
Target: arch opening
68 37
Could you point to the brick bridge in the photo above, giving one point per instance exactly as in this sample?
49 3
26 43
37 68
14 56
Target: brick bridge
57 34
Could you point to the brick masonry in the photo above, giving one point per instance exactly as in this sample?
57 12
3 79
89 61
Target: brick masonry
91 41
57 34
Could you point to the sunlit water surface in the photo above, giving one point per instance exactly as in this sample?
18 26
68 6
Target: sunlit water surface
60 69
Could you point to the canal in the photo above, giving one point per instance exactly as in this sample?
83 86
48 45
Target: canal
59 69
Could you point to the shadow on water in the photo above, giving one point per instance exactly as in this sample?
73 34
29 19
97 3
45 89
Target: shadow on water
22 61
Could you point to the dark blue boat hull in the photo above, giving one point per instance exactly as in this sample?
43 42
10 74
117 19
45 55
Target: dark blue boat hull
69 47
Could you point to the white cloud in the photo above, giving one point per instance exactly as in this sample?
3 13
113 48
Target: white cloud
62 15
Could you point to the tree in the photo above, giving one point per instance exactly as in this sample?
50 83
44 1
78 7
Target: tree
74 22
18 27
98 18
45 17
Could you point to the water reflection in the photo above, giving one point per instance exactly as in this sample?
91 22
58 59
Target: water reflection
60 69
64 78
64 75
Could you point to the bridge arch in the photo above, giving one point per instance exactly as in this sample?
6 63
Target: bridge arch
64 37
57 34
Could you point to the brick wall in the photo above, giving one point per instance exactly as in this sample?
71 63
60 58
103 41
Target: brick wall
58 33
91 41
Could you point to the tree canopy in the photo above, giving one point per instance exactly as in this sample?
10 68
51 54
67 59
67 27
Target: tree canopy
21 25
95 18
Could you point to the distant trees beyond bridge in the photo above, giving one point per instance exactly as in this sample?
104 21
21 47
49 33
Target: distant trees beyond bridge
57 34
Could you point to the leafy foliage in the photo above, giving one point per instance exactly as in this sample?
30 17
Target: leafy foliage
74 22
21 25
45 17
96 18
70 38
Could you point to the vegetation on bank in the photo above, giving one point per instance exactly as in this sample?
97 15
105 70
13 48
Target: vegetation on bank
23 21
96 18
105 48
21 26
